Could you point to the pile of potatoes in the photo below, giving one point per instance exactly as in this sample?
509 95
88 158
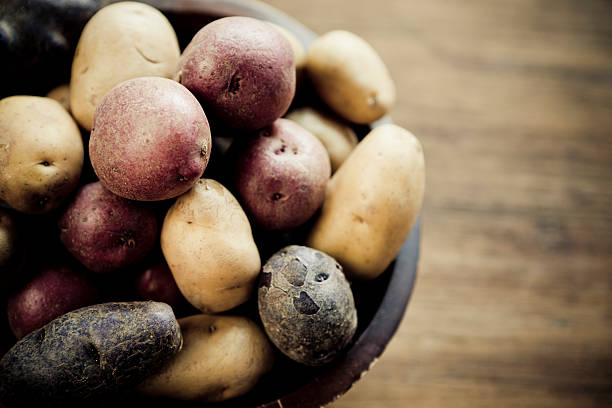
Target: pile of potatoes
161 184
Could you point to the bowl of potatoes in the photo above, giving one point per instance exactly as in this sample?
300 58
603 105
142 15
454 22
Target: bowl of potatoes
202 203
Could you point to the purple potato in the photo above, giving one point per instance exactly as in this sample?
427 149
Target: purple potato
306 305
242 70
106 232
150 139
55 290
93 352
281 175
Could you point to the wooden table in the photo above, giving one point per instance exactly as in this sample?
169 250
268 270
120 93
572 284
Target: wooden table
512 101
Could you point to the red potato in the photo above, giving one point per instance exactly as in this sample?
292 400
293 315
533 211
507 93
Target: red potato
54 291
157 283
281 175
106 232
242 70
150 139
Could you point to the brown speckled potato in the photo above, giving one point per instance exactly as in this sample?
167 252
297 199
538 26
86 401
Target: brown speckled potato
41 153
306 305
121 41
151 139
242 70
350 76
372 202
222 357
207 241
281 174
338 138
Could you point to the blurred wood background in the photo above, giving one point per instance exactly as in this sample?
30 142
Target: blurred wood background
512 100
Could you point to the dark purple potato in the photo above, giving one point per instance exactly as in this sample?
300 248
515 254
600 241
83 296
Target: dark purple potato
93 352
157 283
39 38
281 175
106 232
52 292
150 139
306 305
242 70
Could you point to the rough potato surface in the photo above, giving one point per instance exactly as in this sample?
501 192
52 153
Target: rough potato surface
306 305
89 352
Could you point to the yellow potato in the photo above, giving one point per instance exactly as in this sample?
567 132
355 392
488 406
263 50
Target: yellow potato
222 357
372 202
121 41
350 76
338 138
62 95
207 241
41 153
299 52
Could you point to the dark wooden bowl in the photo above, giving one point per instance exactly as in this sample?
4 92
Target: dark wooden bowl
380 303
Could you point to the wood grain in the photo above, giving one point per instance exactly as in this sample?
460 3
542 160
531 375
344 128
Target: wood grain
512 101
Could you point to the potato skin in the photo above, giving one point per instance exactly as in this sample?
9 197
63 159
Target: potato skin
11 253
299 54
157 283
338 138
208 243
106 232
41 153
281 174
350 77
53 291
150 141
121 41
88 353
306 305
222 357
242 70
61 94
372 202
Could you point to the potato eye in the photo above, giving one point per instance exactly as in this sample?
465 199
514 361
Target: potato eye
321 277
